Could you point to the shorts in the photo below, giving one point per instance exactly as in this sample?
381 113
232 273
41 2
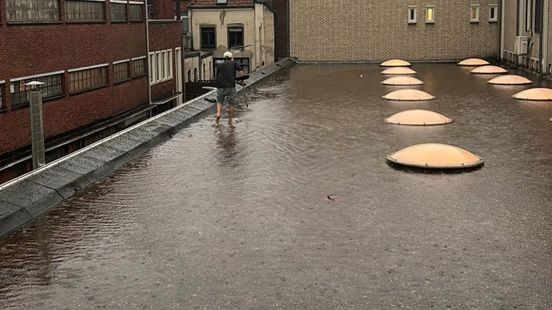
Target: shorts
226 95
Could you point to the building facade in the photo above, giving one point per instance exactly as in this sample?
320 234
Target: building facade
246 27
93 58
358 30
281 29
527 34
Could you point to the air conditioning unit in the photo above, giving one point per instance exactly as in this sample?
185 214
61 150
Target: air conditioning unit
522 43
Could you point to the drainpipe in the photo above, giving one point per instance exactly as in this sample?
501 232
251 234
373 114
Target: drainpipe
543 62
146 18
501 27
541 35
518 6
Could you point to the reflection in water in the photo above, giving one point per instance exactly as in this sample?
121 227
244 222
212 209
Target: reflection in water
238 216
226 140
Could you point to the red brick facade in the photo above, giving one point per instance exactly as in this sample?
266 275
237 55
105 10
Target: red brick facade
31 48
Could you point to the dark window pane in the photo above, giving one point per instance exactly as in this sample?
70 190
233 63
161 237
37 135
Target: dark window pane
87 79
118 12
135 12
208 37
84 10
53 87
235 36
121 71
32 10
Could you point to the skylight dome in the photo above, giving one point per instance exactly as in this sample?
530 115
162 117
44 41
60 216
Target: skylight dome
395 63
399 71
472 62
408 95
537 94
402 81
418 118
435 156
510 80
489 70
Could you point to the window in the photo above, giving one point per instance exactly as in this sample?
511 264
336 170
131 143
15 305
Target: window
208 37
135 12
244 63
412 15
84 10
151 9
430 14
52 88
493 13
121 71
2 96
138 67
195 75
32 10
118 12
86 79
235 36
474 13
161 63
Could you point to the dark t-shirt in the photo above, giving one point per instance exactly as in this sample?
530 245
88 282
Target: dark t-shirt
226 74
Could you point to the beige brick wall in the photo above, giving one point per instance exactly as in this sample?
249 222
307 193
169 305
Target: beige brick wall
509 25
361 30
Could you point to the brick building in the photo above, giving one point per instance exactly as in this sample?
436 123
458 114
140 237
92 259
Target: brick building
360 30
527 34
93 58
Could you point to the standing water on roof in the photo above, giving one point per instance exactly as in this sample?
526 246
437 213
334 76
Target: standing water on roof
294 206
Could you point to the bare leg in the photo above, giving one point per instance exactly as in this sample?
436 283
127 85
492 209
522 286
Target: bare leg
231 111
219 110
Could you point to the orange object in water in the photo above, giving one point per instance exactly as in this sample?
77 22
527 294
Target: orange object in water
399 71
395 63
471 62
536 94
418 118
402 81
408 95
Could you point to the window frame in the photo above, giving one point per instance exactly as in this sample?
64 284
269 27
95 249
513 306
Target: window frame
201 29
135 60
21 81
477 7
229 30
2 96
94 87
56 20
133 4
491 8
128 75
76 21
161 64
412 8
432 9
118 2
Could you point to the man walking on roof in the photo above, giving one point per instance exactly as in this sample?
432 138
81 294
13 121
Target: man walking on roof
226 84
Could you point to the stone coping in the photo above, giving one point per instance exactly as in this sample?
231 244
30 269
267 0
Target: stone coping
28 196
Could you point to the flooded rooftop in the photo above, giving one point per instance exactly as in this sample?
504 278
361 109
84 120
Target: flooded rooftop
294 206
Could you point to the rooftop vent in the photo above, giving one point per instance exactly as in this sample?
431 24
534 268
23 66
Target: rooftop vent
418 118
408 95
399 71
395 63
489 70
402 81
536 94
510 80
473 62
435 156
